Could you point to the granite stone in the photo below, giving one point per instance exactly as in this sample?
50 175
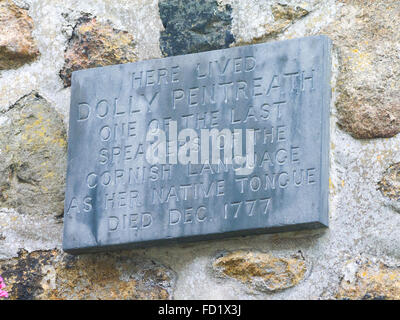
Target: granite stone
125 190
194 26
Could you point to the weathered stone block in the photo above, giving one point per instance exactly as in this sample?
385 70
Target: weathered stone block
33 150
389 186
194 26
370 280
95 44
368 85
262 271
390 183
17 46
52 275
282 16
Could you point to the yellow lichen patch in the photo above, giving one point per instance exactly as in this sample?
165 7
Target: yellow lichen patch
52 275
372 281
331 185
34 163
41 132
261 270
49 175
360 61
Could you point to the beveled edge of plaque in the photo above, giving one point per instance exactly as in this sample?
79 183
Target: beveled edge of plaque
200 238
323 217
325 133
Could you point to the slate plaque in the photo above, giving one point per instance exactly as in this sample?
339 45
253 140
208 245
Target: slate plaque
127 188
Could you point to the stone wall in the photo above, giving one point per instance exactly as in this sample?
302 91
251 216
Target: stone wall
358 257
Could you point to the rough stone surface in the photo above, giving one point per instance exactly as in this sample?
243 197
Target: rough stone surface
30 232
52 275
281 17
258 21
52 32
262 271
194 26
32 157
370 280
389 186
17 46
366 35
95 44
390 183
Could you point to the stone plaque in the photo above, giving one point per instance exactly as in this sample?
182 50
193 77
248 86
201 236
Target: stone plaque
201 146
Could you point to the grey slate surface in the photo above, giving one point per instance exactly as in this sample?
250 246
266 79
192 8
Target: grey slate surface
115 199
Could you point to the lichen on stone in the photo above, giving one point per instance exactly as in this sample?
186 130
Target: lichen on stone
96 44
256 21
283 16
53 275
372 280
33 150
263 271
366 36
17 45
390 183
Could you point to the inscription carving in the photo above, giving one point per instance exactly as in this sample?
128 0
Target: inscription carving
226 142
